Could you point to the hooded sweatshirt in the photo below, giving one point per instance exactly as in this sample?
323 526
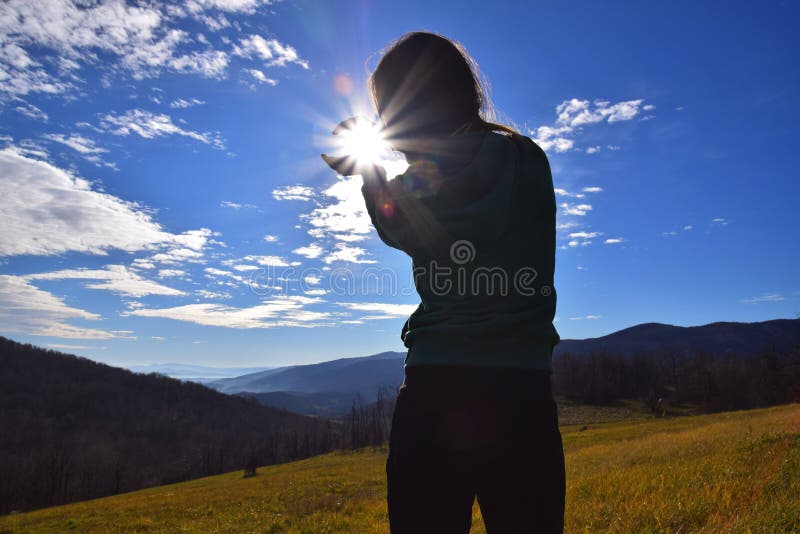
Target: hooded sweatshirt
477 217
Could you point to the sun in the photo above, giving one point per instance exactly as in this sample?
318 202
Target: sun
364 142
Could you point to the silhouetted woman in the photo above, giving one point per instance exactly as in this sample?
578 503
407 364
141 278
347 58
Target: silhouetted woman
475 210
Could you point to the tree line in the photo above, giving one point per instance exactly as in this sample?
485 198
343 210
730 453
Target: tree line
704 381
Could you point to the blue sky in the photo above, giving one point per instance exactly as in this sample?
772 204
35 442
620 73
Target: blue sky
164 200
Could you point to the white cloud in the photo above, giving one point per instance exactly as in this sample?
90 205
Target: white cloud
613 240
236 205
586 317
142 263
26 309
269 238
115 278
45 210
582 238
209 63
576 209
311 251
170 273
177 256
280 311
180 103
549 137
688 227
564 193
271 51
32 112
347 253
84 146
293 192
151 125
720 221
213 294
142 39
213 272
574 114
269 261
382 309
768 297
345 218
242 268
76 142
215 24
592 189
261 78
232 6
317 293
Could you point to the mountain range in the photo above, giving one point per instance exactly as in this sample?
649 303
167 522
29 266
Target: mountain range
323 388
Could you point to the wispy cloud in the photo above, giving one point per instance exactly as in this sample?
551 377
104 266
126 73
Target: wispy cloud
151 125
280 311
767 297
379 310
181 103
32 112
586 318
115 278
236 205
76 142
26 309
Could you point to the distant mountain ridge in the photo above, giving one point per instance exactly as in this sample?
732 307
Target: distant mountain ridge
354 376
720 338
196 373
323 387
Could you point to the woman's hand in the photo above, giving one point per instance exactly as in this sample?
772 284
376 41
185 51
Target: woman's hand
349 164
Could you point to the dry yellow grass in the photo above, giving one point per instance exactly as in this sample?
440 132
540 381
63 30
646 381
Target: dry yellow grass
730 472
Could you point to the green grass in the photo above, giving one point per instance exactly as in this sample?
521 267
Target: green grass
729 472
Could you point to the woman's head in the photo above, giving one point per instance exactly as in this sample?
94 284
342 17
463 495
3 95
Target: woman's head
427 85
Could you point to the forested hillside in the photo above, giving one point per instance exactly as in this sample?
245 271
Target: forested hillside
74 429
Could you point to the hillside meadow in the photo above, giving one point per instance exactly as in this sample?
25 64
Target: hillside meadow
726 472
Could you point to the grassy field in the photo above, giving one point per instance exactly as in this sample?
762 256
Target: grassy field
728 472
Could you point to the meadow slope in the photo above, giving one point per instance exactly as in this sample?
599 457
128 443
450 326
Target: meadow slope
727 472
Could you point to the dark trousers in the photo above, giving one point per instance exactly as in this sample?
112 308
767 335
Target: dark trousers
462 432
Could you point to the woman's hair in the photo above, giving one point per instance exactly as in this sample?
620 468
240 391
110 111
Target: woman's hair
426 84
